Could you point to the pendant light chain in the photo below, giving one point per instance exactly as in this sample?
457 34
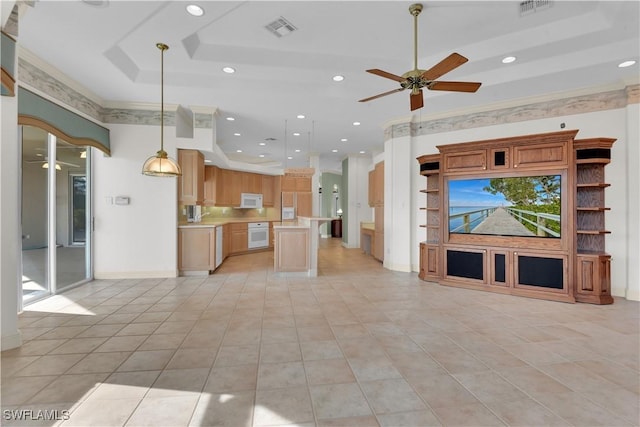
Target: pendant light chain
162 48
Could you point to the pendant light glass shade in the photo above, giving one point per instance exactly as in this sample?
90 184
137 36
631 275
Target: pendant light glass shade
161 164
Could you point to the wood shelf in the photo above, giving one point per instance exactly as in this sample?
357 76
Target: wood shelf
430 191
593 185
593 232
592 209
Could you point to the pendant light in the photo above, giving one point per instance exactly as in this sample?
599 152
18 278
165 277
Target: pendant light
161 164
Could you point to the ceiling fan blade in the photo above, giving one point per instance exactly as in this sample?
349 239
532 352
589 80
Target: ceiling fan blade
454 86
449 63
416 100
400 89
385 74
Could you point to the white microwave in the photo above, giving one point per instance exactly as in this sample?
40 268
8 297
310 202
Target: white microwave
250 201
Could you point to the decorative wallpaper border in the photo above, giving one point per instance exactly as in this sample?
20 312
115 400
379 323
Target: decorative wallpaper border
562 107
38 79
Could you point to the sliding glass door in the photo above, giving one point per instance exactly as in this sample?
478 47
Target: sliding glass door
55 214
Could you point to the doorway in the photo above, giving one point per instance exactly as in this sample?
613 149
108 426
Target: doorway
55 211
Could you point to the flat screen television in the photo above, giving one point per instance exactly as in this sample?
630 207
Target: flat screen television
527 206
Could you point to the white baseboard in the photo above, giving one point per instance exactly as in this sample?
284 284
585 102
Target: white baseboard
11 341
405 268
111 275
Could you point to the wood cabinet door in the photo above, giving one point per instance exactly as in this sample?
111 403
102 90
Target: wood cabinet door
372 185
268 191
239 237
288 199
226 241
210 173
194 249
251 183
379 184
304 203
288 183
191 183
228 188
303 184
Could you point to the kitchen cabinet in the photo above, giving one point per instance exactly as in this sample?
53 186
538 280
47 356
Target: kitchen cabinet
296 183
372 185
196 249
210 175
268 191
228 188
304 202
239 237
251 183
191 183
288 199
226 240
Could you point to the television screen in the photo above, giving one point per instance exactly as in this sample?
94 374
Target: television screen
512 206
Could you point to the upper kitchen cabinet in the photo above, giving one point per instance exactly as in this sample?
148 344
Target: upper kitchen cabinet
268 191
296 183
251 183
191 183
210 177
228 188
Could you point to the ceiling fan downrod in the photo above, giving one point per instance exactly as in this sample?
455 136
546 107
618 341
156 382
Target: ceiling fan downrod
415 10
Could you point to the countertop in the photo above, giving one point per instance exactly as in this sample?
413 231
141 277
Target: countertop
216 222
368 225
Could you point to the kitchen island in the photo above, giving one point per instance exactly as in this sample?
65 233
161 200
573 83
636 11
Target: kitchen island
296 246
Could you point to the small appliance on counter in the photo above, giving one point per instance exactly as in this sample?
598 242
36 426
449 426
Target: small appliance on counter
194 213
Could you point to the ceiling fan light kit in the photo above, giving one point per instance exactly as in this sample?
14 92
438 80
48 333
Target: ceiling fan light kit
161 164
416 79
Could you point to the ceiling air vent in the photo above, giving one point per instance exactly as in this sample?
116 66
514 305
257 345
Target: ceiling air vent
280 27
528 7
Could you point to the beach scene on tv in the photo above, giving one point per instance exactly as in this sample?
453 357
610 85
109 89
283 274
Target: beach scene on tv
514 206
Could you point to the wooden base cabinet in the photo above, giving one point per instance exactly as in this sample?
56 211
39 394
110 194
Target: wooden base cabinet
429 262
593 279
239 238
197 249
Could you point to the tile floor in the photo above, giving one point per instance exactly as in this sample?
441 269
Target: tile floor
357 346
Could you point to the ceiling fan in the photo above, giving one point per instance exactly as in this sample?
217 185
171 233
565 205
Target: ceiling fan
416 79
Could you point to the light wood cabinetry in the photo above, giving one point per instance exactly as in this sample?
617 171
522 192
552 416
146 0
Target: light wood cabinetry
239 237
378 237
376 200
226 240
288 199
371 192
292 250
568 263
191 183
196 249
268 191
251 183
304 201
296 183
210 189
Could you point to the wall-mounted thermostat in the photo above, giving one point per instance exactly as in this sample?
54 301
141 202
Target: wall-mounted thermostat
122 200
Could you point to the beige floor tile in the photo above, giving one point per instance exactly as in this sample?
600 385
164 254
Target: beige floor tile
99 362
34 348
69 388
533 381
172 411
373 369
11 365
162 342
125 343
369 421
61 332
224 410
459 362
237 355
387 396
280 375
18 390
282 407
280 352
56 364
147 360
178 382
138 329
94 412
473 414
317 350
315 333
578 411
125 385
339 401
230 379
95 331
329 371
524 412
78 345
409 419
152 317
442 391
192 358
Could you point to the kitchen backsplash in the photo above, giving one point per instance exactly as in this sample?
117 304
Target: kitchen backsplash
210 213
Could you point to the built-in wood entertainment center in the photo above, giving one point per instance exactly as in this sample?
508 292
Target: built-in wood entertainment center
521 216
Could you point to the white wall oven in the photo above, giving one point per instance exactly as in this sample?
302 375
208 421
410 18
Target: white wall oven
258 235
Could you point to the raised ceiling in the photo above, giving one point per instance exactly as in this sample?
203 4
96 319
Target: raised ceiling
109 48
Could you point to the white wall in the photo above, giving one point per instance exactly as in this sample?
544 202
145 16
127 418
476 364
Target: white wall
633 202
140 239
622 196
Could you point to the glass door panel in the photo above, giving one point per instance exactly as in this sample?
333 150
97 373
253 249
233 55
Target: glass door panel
71 215
35 283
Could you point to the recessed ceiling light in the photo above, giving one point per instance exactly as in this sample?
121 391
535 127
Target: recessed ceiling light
298 150
236 134
290 157
296 134
261 155
229 70
361 152
300 116
207 161
338 78
238 151
195 10
230 119
344 140
334 151
626 64
356 123
508 59
262 143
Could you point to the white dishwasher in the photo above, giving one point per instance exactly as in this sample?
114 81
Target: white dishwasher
219 243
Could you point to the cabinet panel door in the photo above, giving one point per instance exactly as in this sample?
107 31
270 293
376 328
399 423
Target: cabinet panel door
465 161
304 203
268 191
379 184
251 183
540 155
288 183
288 199
239 241
210 174
191 183
194 249
372 188
303 184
